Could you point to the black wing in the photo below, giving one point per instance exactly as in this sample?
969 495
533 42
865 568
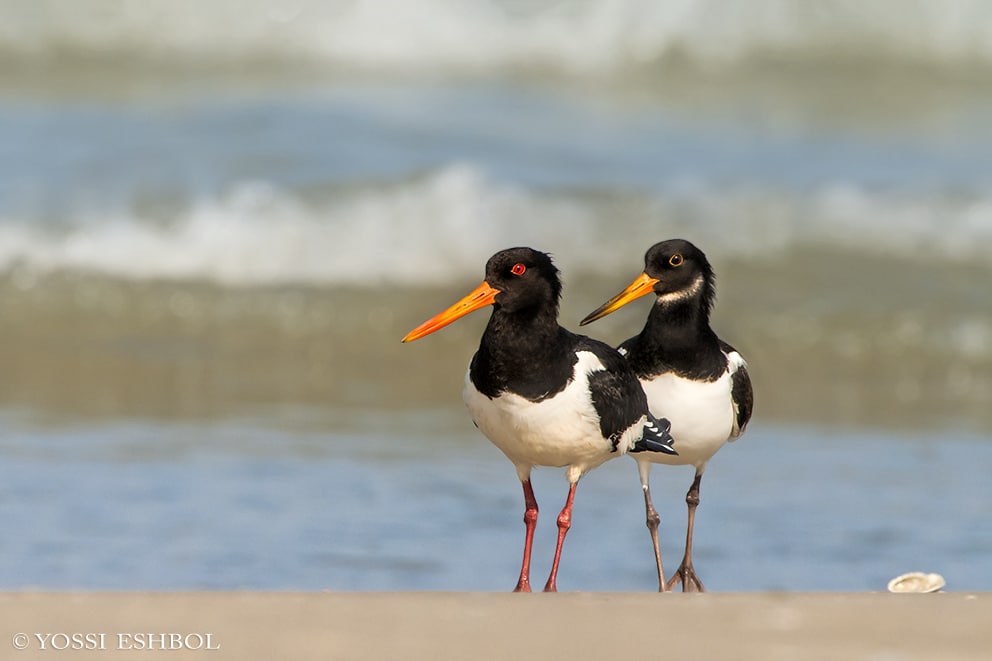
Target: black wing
743 398
741 392
620 402
616 393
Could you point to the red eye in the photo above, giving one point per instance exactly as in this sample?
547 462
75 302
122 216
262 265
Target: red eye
518 269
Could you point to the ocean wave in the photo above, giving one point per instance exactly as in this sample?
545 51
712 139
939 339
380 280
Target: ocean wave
420 232
584 37
446 223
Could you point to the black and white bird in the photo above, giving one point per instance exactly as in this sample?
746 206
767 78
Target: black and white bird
543 395
691 377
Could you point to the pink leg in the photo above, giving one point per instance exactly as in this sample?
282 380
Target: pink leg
653 520
564 523
530 520
686 573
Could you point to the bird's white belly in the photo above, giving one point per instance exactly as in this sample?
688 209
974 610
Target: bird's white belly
701 414
562 430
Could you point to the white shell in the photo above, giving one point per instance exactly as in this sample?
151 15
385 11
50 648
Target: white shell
917 582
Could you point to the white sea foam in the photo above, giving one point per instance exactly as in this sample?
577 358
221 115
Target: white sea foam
421 232
446 224
587 36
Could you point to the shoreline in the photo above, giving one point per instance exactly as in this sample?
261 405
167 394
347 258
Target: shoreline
461 625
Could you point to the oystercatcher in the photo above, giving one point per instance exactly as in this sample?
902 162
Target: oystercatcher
543 395
690 376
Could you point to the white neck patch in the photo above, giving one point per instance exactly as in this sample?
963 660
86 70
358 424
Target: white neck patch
683 294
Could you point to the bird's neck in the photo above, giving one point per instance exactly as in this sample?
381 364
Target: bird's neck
524 352
677 338
521 335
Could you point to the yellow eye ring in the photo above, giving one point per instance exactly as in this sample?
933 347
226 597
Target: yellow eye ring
675 260
518 269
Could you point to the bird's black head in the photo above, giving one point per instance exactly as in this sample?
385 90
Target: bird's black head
526 278
518 280
677 272
682 272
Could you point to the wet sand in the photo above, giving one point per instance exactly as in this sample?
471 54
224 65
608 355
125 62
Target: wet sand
451 625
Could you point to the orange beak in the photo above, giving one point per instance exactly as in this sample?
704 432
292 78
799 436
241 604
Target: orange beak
480 297
643 284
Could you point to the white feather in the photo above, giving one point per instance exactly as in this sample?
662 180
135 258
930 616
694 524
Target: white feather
682 294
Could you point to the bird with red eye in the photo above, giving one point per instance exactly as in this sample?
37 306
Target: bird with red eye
543 395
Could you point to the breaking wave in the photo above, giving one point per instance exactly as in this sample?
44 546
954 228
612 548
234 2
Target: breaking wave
446 223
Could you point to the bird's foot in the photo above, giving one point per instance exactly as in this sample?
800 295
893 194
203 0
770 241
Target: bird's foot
523 585
686 575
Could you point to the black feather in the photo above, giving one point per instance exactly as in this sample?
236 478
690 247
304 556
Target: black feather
616 393
743 397
656 437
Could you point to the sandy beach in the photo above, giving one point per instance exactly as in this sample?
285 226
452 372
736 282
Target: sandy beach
452 625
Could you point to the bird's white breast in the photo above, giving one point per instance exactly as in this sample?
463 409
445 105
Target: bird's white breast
701 413
562 430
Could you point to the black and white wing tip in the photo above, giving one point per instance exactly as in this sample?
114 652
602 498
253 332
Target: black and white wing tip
656 437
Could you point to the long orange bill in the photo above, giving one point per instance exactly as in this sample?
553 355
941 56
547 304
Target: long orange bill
643 284
480 297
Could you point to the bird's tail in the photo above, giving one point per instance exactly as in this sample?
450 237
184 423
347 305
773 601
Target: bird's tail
656 437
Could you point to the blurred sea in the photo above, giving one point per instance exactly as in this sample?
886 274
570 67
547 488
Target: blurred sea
217 221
